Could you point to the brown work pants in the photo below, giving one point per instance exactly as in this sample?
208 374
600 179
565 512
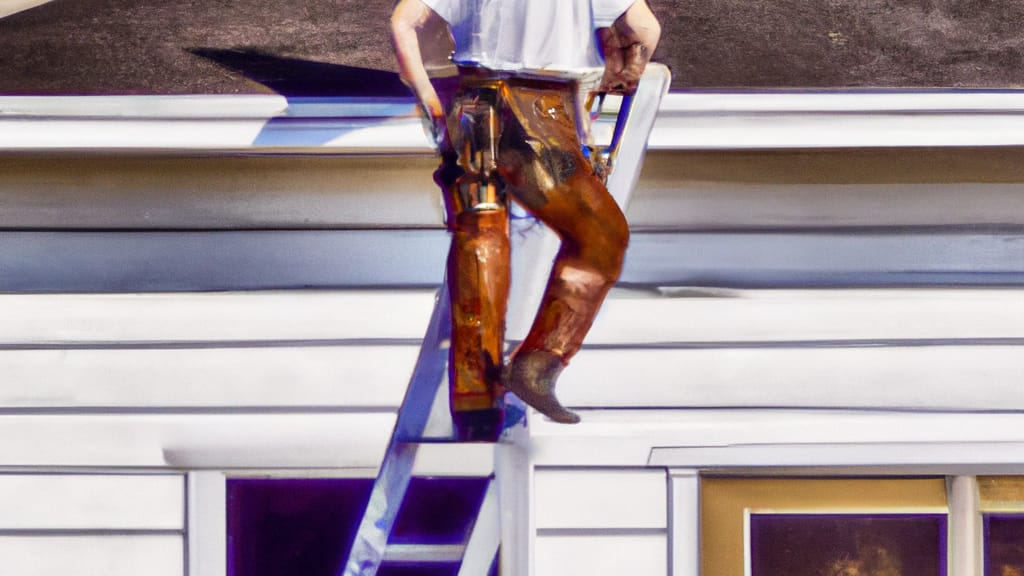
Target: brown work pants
518 138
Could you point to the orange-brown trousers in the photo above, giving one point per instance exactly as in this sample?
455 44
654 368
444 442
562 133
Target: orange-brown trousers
519 138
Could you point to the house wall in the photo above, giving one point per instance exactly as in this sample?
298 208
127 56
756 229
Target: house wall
176 318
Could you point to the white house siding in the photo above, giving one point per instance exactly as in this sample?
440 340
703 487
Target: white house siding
104 555
92 502
92 524
784 310
600 521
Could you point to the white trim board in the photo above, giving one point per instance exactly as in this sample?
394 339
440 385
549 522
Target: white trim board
694 120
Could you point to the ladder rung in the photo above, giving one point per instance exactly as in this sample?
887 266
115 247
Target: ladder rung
426 553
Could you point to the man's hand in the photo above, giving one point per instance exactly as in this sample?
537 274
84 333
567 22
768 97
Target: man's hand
624 62
433 115
627 46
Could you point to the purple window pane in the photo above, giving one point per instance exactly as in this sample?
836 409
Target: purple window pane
1004 544
848 544
283 527
286 527
439 510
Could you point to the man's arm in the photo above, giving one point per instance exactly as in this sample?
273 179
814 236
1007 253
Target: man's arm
628 45
407 19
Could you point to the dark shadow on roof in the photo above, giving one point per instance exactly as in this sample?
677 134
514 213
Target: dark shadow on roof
293 77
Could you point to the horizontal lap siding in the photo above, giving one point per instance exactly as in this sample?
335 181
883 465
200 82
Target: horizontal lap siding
169 318
678 189
354 377
737 218
153 555
91 524
793 316
932 377
205 380
218 192
601 521
261 380
34 502
898 187
600 499
354 350
311 379
601 555
236 260
936 349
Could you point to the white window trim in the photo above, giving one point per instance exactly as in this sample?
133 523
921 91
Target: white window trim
207 542
684 522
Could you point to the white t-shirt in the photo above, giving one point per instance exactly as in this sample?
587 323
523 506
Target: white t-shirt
546 37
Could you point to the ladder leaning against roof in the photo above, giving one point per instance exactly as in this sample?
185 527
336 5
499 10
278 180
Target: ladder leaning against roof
423 416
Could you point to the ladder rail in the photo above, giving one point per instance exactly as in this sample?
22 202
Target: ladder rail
485 538
392 483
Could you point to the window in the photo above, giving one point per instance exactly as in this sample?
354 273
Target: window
1002 510
282 527
836 527
876 526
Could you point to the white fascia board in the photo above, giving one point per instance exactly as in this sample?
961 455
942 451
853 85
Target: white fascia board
686 120
212 106
215 123
40 108
838 119
886 101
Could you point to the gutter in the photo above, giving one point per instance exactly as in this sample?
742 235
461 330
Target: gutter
686 121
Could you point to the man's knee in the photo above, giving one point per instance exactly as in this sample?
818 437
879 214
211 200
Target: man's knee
604 240
616 230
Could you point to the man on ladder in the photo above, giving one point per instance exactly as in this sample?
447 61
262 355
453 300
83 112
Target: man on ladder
516 127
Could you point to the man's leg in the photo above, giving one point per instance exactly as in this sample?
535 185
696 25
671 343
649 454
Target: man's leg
546 171
478 279
478 283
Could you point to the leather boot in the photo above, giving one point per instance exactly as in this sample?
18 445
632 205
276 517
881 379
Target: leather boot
531 376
